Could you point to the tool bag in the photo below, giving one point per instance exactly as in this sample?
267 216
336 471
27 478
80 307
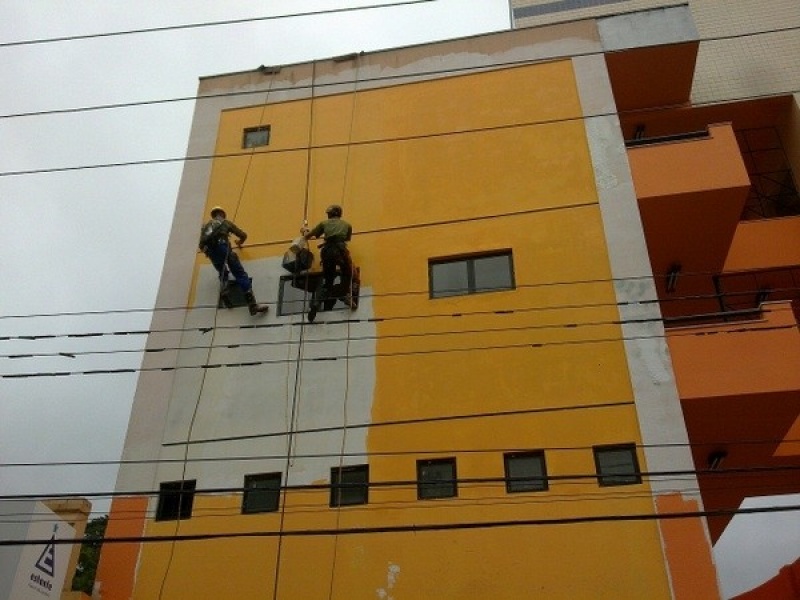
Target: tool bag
298 258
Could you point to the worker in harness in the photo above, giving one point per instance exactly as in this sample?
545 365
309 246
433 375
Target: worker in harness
216 245
334 255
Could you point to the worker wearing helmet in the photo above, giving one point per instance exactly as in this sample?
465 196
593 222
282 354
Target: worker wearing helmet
334 255
215 244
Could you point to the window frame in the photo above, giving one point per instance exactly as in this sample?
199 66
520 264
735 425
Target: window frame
285 280
175 500
534 483
254 490
339 486
617 479
423 485
254 130
469 261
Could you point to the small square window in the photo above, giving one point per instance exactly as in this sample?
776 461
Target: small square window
295 292
349 485
256 136
262 493
471 274
617 465
175 500
525 472
436 478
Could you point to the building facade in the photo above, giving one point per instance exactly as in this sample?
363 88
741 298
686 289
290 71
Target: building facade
503 414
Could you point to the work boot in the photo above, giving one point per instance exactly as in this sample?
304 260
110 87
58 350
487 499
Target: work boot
225 298
255 307
350 302
314 306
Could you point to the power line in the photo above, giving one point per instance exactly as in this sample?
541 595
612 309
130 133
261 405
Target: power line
334 145
202 24
395 354
386 336
386 453
677 475
404 76
416 528
406 293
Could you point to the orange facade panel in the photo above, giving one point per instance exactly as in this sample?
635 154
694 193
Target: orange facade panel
696 164
735 359
766 244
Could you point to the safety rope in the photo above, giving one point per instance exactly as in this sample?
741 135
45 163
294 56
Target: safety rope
294 410
223 281
343 445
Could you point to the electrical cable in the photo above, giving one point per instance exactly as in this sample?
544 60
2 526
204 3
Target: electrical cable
406 293
333 145
202 24
386 336
453 71
532 344
392 453
674 475
417 528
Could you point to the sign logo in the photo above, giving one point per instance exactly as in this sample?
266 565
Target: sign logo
47 559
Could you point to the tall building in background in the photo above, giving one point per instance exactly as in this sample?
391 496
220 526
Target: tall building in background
528 400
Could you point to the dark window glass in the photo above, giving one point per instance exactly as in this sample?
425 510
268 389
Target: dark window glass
617 465
175 499
262 493
525 472
255 136
349 485
436 478
471 274
294 299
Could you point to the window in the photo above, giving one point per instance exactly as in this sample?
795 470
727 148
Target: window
349 485
525 472
255 136
262 493
471 275
436 478
617 465
293 299
175 499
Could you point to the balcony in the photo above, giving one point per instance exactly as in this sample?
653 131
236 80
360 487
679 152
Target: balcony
739 387
691 190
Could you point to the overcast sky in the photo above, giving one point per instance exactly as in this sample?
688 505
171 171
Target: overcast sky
92 240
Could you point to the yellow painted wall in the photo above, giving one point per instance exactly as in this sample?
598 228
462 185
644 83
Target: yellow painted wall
459 165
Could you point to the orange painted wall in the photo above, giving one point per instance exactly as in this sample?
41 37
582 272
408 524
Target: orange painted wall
116 571
784 586
715 365
767 244
693 572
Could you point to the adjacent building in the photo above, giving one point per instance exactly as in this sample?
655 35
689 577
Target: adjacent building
550 225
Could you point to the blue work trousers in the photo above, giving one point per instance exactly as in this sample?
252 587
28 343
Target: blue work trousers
225 261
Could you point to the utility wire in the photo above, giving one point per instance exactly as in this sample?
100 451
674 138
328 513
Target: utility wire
202 24
390 453
463 525
366 142
405 76
389 336
462 481
533 344
406 293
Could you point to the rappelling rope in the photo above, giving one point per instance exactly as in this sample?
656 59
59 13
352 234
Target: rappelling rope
195 410
343 445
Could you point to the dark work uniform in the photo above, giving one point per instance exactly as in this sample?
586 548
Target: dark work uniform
334 255
216 245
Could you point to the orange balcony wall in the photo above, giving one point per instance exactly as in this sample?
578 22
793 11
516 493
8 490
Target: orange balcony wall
766 244
691 193
745 357
740 381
